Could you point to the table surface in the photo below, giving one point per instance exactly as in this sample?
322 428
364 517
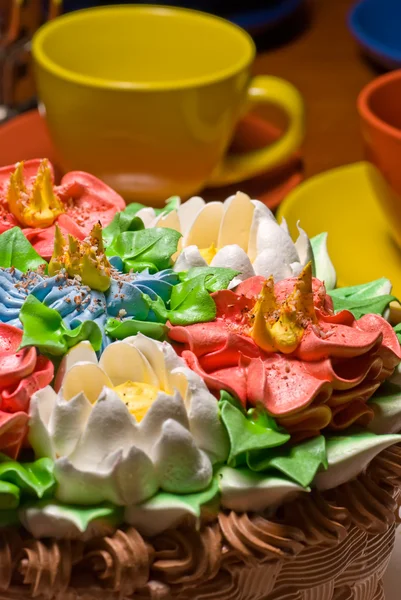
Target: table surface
324 62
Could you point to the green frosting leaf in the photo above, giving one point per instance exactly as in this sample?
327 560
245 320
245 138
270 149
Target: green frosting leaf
217 278
16 251
9 518
133 208
348 455
122 221
363 299
171 204
165 510
397 330
193 502
9 495
24 479
190 302
248 433
386 403
227 397
359 308
300 462
243 490
340 447
257 440
322 266
119 330
45 329
378 287
46 517
145 249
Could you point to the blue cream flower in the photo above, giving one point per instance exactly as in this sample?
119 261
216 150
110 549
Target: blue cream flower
77 303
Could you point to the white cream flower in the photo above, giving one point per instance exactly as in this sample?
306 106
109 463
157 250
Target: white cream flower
121 428
240 233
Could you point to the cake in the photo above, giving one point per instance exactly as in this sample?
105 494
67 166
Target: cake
190 408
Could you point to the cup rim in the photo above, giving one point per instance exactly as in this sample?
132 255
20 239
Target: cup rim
365 38
41 57
363 104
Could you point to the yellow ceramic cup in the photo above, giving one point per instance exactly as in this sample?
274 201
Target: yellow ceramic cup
147 98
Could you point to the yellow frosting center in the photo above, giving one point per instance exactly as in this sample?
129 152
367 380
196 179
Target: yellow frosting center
138 397
38 207
86 259
208 254
280 326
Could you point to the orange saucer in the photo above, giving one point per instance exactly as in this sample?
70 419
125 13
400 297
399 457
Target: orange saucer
26 137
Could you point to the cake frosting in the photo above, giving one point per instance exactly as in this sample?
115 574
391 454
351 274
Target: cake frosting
117 425
310 367
120 429
22 372
329 547
239 233
82 287
76 302
30 199
188 408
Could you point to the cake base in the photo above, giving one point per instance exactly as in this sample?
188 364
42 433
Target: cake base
331 546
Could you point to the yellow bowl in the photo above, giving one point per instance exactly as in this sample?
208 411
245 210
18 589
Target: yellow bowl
345 203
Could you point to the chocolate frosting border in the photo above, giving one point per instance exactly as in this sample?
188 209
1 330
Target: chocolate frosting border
326 531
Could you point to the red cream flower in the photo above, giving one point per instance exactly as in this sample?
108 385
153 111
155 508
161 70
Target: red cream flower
29 198
22 372
282 345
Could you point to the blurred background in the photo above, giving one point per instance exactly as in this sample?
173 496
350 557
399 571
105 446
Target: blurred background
314 44
19 19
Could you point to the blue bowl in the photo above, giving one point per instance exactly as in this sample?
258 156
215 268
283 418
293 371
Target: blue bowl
254 15
376 25
265 17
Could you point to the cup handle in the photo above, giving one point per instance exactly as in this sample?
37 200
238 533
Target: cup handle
266 89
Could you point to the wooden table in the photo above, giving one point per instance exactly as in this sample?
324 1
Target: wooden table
323 61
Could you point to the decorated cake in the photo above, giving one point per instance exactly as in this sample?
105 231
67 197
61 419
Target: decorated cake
190 408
